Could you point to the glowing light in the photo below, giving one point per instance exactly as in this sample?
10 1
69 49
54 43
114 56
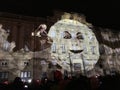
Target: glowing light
29 80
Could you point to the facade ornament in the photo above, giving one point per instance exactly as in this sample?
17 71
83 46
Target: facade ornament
66 16
4 44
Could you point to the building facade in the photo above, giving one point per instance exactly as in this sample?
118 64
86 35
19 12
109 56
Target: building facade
72 45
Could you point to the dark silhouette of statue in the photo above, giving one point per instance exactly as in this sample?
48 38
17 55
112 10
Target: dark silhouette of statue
39 40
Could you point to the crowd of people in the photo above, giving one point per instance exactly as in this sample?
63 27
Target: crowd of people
107 82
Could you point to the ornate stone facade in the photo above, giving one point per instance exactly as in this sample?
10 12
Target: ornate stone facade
30 57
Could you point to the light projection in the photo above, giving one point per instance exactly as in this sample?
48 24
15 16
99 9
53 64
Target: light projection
74 42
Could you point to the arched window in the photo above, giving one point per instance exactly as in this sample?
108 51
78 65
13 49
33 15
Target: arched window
54 48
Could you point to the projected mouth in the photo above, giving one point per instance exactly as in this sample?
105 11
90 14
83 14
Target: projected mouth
76 51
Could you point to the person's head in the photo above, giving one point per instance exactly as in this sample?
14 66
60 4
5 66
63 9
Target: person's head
17 80
43 26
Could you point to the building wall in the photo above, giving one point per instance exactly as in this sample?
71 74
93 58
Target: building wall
20 28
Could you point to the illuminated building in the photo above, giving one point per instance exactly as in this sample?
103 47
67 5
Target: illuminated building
85 50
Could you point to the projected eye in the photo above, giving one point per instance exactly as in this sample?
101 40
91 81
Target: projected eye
67 35
79 35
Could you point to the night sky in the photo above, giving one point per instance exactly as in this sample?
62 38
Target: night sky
100 13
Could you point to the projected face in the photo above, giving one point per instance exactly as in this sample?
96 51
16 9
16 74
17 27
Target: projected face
74 41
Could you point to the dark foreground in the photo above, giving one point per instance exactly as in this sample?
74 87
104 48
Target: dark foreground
108 82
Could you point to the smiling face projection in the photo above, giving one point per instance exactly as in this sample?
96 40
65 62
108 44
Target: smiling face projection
76 43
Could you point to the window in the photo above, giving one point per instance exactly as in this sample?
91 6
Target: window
54 48
25 74
85 49
93 49
77 66
63 48
4 63
43 62
26 63
61 34
110 62
3 75
53 34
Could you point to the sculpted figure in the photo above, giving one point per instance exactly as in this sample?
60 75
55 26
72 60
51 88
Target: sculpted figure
4 44
40 31
40 39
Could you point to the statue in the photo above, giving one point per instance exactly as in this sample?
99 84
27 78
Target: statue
4 44
40 31
39 40
12 46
